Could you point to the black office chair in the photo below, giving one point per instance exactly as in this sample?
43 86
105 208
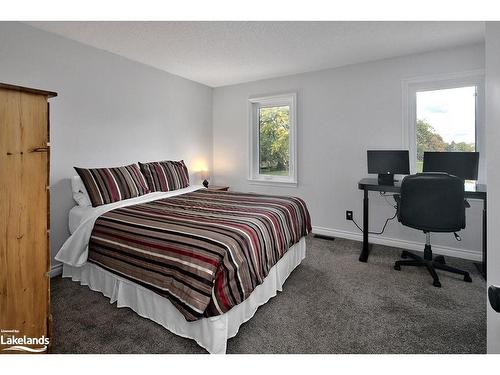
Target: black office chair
432 202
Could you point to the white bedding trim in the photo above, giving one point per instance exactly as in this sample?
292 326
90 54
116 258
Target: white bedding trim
210 333
74 251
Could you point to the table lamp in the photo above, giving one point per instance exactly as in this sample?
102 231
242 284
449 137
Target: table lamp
204 175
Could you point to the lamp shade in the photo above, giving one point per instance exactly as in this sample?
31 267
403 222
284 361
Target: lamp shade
204 175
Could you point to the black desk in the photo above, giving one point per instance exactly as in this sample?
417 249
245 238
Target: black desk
371 184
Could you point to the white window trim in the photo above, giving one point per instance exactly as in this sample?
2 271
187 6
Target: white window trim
254 103
437 82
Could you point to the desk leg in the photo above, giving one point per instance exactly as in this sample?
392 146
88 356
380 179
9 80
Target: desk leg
366 247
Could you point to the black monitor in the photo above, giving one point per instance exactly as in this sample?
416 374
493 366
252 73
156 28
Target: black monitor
460 164
387 163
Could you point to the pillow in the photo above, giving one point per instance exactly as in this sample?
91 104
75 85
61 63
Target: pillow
80 194
108 185
165 175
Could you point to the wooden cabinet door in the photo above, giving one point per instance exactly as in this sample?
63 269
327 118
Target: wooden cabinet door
24 255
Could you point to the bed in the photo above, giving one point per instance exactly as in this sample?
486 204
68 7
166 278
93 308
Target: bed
198 262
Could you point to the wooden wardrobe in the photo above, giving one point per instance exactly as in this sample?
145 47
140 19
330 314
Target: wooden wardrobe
24 214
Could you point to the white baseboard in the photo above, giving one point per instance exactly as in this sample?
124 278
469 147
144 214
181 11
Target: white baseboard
404 244
56 270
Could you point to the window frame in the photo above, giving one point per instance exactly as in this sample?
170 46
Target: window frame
410 88
254 104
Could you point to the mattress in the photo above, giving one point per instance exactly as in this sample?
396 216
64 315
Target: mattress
204 250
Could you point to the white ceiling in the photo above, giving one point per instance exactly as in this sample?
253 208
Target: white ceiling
225 53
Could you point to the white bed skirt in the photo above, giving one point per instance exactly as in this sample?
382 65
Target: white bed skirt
210 333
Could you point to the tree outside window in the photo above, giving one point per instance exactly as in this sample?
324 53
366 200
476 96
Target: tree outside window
274 153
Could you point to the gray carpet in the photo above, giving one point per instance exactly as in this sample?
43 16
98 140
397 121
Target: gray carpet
330 304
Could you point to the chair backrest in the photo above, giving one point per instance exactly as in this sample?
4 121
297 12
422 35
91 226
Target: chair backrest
432 202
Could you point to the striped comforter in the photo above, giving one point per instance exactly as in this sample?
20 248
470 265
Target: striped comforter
205 251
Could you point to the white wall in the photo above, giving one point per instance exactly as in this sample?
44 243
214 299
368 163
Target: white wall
110 111
342 112
493 172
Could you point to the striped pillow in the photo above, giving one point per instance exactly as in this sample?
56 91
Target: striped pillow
108 185
165 175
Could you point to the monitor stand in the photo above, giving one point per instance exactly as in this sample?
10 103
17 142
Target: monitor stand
386 179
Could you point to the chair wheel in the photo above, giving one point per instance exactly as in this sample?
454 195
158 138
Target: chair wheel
437 284
467 279
397 267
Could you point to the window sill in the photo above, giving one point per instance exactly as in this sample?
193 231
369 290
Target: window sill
272 182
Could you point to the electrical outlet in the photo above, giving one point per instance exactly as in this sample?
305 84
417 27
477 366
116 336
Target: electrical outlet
348 215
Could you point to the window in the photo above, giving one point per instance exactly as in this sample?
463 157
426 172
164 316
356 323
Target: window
446 121
444 114
273 139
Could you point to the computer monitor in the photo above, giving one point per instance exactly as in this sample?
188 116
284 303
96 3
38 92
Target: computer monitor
460 164
387 163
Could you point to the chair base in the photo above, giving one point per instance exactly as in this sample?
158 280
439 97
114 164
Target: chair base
432 264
